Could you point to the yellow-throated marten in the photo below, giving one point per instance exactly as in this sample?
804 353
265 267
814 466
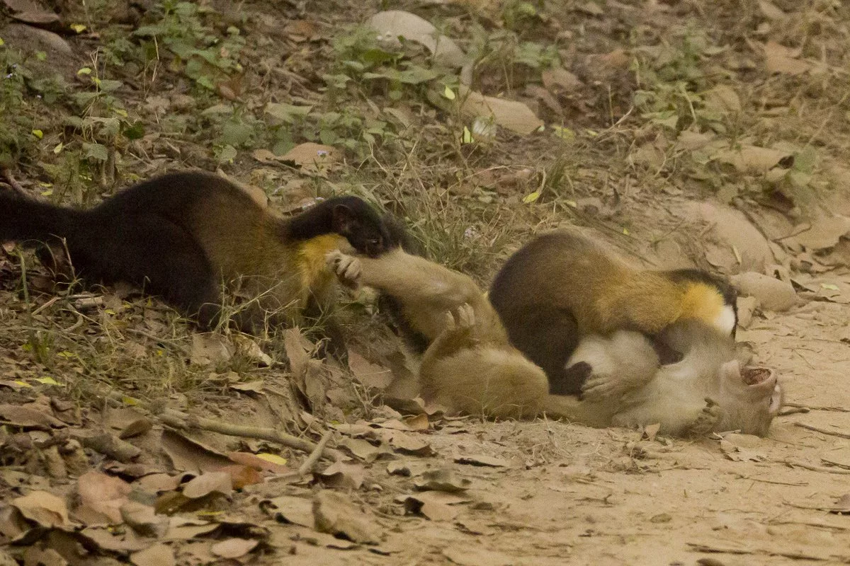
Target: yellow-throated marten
563 286
181 235
471 367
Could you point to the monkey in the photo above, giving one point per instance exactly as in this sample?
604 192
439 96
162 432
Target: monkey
471 367
562 286
181 234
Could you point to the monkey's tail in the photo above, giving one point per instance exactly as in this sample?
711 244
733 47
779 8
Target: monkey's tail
23 219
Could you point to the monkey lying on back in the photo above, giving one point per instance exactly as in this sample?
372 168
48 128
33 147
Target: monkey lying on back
562 286
470 366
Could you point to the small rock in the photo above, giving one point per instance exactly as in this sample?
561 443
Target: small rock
772 294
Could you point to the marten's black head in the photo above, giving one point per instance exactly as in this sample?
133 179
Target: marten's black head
361 225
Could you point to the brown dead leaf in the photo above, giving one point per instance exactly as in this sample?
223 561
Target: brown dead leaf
335 514
369 374
103 494
309 155
781 59
210 482
180 528
37 556
407 444
241 476
364 450
344 476
752 159
12 523
723 99
770 11
823 233
210 349
290 509
298 350
251 386
509 114
842 505
116 540
136 428
417 422
560 80
43 508
159 482
234 547
471 555
189 455
651 431
29 416
442 480
156 555
143 519
249 348
433 510
254 461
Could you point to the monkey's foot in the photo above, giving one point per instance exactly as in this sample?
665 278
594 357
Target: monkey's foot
347 268
463 317
707 419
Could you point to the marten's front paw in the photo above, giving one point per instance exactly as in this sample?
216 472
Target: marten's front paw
347 268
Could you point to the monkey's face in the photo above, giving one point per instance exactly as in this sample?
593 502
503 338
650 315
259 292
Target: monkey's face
749 397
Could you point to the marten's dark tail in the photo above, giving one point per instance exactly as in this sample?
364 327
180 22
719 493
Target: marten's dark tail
25 220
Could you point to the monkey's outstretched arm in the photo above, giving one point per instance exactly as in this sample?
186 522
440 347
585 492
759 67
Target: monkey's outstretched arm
619 364
410 278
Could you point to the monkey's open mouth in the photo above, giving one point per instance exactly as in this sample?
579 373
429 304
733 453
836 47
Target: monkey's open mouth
755 376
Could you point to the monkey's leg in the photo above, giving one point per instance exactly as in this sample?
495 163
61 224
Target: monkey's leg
406 277
459 335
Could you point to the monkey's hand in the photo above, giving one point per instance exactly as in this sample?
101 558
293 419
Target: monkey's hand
348 269
707 419
601 386
461 317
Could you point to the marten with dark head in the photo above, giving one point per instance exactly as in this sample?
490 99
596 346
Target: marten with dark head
562 286
181 235
470 366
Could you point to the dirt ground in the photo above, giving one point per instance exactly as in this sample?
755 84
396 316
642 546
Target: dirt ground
682 133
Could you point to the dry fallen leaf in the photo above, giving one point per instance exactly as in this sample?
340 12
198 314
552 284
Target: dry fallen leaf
143 519
234 547
103 494
392 24
28 416
781 59
335 514
823 233
344 476
205 484
290 509
433 510
842 505
509 114
442 480
156 555
44 508
189 455
309 155
369 374
210 349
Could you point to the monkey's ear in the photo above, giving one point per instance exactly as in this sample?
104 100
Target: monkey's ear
342 219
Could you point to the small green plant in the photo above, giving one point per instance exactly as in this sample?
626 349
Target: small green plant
198 50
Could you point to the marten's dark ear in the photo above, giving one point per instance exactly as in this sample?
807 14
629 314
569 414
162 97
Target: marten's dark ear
343 219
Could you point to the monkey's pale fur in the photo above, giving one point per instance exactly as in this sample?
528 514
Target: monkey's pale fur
470 366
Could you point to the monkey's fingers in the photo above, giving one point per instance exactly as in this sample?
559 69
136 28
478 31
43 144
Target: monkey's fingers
465 316
345 267
599 387
450 320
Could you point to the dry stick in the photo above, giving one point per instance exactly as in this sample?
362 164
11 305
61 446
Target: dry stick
824 469
180 420
814 408
314 456
15 185
822 431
